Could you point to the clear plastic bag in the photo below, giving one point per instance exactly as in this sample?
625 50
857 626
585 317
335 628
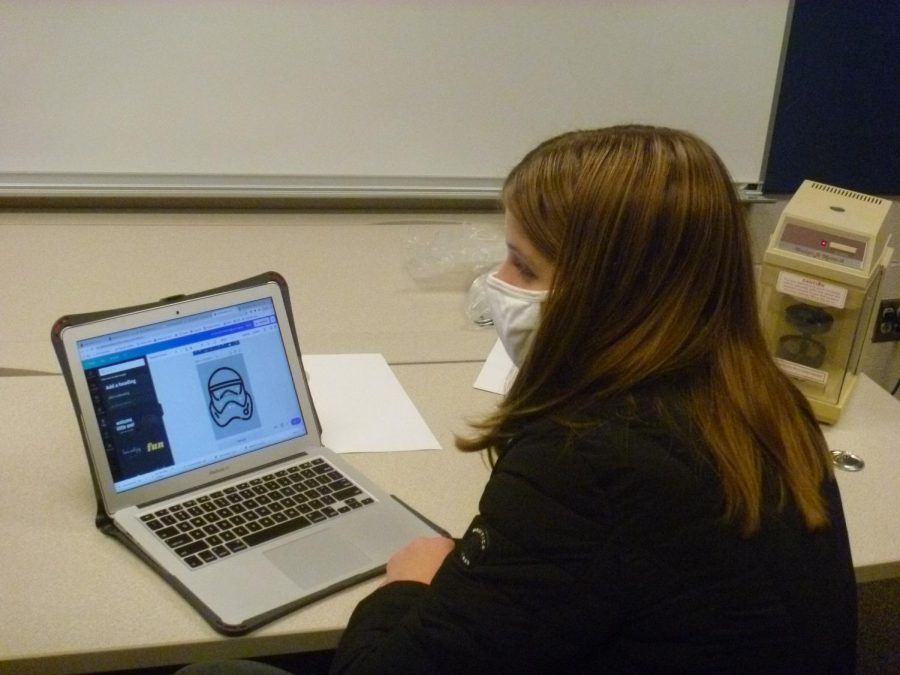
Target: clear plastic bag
478 309
453 258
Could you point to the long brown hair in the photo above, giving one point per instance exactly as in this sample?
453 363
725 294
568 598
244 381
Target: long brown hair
653 283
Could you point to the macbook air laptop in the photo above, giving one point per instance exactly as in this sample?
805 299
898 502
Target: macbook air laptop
206 454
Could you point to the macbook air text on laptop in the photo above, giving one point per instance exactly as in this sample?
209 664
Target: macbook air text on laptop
206 456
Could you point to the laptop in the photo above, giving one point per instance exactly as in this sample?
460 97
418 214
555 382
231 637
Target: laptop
206 455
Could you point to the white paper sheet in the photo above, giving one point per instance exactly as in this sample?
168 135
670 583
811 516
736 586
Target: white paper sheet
498 371
363 407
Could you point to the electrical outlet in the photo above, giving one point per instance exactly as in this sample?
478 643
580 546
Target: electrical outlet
887 323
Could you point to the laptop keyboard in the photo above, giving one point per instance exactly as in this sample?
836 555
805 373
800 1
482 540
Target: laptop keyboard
208 528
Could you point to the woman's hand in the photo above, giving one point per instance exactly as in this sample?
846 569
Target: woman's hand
420 560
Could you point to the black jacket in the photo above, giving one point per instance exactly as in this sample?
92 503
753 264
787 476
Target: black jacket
607 553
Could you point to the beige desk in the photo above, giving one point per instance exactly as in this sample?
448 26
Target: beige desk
75 600
350 288
62 582
870 428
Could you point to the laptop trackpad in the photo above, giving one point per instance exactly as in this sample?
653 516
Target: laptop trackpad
323 557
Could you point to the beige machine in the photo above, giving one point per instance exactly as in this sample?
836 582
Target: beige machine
818 286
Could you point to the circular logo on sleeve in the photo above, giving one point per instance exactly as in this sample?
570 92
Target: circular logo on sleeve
473 545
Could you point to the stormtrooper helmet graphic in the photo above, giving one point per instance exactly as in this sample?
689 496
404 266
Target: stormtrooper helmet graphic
229 400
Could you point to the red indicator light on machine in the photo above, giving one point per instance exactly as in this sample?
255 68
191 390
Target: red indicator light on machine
823 243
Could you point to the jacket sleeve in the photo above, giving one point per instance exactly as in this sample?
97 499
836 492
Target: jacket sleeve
512 596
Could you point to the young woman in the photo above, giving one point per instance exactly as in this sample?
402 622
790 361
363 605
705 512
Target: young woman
661 498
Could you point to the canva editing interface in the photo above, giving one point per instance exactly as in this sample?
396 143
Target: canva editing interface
185 393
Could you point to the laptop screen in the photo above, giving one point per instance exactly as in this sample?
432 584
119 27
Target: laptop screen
181 394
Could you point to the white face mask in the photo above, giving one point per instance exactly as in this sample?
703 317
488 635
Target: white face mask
516 313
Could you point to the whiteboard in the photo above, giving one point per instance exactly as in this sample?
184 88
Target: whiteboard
228 93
